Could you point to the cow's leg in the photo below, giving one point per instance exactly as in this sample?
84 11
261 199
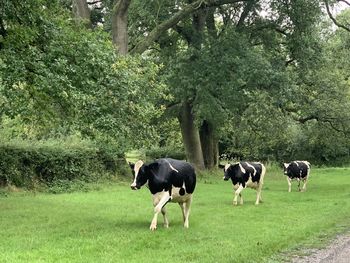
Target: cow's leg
306 179
241 199
258 194
187 211
261 200
166 222
299 181
182 206
164 198
289 184
237 193
304 186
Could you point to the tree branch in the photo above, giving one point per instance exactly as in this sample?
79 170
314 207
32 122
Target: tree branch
333 18
210 23
289 61
186 34
94 2
143 44
3 31
248 7
344 1
306 119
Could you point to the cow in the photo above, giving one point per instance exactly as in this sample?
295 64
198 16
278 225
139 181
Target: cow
245 174
297 170
169 180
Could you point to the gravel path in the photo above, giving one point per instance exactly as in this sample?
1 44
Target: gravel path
338 251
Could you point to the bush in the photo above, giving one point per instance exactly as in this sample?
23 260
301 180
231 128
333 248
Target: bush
163 152
26 164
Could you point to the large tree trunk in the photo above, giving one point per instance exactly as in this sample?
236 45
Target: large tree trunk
209 145
120 26
81 12
190 136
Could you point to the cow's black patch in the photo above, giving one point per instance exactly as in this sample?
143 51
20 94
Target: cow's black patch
297 170
182 191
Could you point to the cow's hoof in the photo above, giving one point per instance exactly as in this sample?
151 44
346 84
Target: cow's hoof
234 203
166 226
153 227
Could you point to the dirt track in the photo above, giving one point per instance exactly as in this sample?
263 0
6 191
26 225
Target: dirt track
337 251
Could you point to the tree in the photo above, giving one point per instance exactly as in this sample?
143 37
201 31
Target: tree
188 29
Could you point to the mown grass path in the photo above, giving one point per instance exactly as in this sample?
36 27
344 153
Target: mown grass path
112 225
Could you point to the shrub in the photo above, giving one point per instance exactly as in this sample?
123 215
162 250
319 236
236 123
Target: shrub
28 164
162 152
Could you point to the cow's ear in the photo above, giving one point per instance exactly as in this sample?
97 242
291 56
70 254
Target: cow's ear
285 165
221 166
132 165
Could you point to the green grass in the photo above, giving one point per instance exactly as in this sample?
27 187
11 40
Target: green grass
112 224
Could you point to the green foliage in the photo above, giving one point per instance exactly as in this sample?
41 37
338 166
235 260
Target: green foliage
162 152
73 81
56 163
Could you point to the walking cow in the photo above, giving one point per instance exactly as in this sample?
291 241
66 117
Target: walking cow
245 174
297 170
169 180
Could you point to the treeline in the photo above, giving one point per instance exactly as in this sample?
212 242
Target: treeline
200 79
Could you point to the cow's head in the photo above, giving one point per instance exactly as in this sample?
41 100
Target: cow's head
285 167
139 176
227 173
233 170
141 173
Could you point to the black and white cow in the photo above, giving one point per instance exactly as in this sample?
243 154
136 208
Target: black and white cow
169 180
297 170
245 174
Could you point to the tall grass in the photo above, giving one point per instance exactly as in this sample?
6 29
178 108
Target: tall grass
111 225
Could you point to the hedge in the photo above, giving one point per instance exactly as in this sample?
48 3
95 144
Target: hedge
163 152
25 165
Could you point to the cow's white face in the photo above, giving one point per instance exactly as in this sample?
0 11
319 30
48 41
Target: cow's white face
285 167
136 169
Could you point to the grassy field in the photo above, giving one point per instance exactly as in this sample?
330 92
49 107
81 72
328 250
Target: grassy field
112 224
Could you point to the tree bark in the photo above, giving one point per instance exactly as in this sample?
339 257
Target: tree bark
209 145
210 23
120 26
82 12
190 136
